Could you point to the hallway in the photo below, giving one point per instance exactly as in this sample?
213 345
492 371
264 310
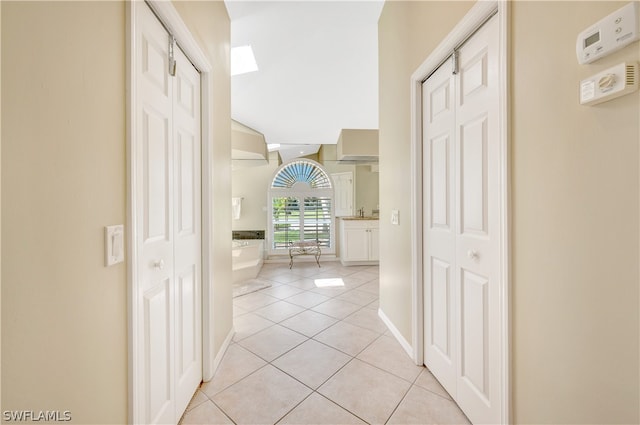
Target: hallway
312 349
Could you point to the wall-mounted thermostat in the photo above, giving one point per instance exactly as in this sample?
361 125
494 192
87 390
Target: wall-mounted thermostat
611 83
609 34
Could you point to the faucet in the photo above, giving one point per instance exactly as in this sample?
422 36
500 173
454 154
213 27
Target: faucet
361 212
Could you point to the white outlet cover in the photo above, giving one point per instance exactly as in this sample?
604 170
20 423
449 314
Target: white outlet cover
395 217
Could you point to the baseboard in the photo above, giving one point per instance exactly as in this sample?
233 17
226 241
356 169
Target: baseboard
222 351
396 333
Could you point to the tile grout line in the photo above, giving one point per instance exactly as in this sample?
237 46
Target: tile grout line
403 397
307 338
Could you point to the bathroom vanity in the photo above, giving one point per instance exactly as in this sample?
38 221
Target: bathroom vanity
359 241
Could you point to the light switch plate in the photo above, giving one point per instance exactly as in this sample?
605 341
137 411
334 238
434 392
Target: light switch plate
395 217
113 244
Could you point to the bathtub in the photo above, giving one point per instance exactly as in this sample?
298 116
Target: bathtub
247 257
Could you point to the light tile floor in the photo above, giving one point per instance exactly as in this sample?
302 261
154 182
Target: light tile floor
304 353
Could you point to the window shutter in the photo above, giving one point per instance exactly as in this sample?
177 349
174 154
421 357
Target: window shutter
317 220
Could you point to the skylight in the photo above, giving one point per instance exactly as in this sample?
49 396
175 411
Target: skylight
242 60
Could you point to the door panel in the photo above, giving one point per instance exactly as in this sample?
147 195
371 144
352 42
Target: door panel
187 184
440 185
154 62
441 326
158 346
473 76
187 250
473 347
439 99
186 324
478 241
439 236
157 170
167 214
154 218
473 157
356 244
461 194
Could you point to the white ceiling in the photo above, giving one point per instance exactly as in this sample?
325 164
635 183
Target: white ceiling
318 69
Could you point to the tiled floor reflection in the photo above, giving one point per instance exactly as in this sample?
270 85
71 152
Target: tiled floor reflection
311 349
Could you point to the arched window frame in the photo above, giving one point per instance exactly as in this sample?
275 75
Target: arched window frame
300 190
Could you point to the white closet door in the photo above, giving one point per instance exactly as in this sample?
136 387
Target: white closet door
187 225
478 223
155 154
439 223
167 184
461 162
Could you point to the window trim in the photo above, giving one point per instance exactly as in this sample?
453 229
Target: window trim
300 192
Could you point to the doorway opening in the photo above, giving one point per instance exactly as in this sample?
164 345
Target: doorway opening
168 135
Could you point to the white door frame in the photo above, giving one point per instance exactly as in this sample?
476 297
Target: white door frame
478 14
171 19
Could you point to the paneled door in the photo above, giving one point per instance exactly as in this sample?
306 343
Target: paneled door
168 241
462 226
439 224
343 195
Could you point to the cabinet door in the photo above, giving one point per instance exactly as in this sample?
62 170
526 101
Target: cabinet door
374 244
356 244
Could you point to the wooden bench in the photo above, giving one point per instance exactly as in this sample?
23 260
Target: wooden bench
304 248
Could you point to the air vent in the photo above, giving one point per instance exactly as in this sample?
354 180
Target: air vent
631 75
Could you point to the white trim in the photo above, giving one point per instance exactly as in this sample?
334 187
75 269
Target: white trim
396 333
417 312
222 352
206 128
299 193
504 38
132 275
470 22
171 19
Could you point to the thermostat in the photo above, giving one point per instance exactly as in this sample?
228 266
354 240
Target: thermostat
611 83
610 34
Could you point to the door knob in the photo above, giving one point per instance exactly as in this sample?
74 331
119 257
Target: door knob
158 264
472 254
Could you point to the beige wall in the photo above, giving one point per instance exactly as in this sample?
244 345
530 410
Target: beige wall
0 206
358 142
64 326
575 199
575 218
252 183
64 314
247 141
407 32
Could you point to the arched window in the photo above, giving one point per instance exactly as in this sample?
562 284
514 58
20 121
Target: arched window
301 206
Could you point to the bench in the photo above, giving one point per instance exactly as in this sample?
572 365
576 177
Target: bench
304 248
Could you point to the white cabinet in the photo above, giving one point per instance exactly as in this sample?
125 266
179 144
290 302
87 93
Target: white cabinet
359 242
